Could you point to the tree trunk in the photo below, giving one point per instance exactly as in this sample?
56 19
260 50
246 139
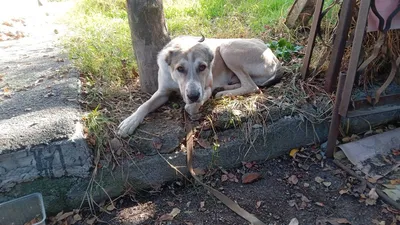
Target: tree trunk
149 35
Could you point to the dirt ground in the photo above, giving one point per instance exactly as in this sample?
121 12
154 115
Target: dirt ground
307 187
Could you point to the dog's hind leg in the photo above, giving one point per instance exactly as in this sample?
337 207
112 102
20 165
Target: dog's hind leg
132 122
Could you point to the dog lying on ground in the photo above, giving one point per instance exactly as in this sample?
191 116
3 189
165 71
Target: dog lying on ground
196 67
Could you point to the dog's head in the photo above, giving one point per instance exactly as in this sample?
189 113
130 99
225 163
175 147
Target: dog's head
190 67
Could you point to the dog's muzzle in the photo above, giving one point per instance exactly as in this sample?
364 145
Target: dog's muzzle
193 95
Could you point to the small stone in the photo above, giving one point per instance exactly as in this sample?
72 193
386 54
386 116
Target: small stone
379 131
319 180
327 183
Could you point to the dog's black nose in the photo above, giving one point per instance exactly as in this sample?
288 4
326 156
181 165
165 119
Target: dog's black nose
194 96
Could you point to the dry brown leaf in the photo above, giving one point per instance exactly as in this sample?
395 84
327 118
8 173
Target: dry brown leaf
91 221
110 207
293 179
165 217
395 181
77 218
224 177
250 177
258 204
199 171
344 191
64 216
372 197
305 199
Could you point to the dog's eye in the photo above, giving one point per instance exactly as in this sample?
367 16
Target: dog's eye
202 67
180 69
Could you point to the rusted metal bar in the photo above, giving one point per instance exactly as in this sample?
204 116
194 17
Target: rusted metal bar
365 103
311 38
339 44
355 55
335 121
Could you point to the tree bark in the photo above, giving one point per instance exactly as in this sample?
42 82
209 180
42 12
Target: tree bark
149 35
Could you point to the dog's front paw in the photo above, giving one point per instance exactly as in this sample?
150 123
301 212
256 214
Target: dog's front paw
127 126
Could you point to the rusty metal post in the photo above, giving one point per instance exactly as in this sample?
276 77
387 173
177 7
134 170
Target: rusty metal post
339 44
311 38
335 121
355 55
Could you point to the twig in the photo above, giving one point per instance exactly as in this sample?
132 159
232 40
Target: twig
381 194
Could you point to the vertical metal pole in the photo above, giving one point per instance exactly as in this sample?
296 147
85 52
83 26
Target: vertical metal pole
311 38
355 55
339 44
335 122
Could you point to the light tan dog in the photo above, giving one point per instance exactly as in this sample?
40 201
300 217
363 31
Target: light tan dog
196 67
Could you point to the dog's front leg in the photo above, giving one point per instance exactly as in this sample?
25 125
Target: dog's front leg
132 122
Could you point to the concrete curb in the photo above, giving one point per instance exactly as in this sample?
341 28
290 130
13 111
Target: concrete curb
278 138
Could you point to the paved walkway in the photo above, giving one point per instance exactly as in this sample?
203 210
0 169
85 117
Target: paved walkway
39 93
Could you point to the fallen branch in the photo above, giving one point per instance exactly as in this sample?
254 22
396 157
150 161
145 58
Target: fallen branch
381 194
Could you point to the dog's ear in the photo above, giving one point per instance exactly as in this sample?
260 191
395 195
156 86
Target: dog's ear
170 54
210 55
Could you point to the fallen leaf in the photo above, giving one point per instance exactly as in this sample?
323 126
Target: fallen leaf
77 217
250 177
64 216
374 179
395 181
395 152
224 177
377 222
372 197
174 212
305 199
318 179
293 152
306 185
258 204
344 191
156 142
332 221
346 139
293 179
199 171
165 217
320 204
91 221
188 223
294 221
110 207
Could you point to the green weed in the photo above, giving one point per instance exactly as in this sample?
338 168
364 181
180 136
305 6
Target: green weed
285 50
